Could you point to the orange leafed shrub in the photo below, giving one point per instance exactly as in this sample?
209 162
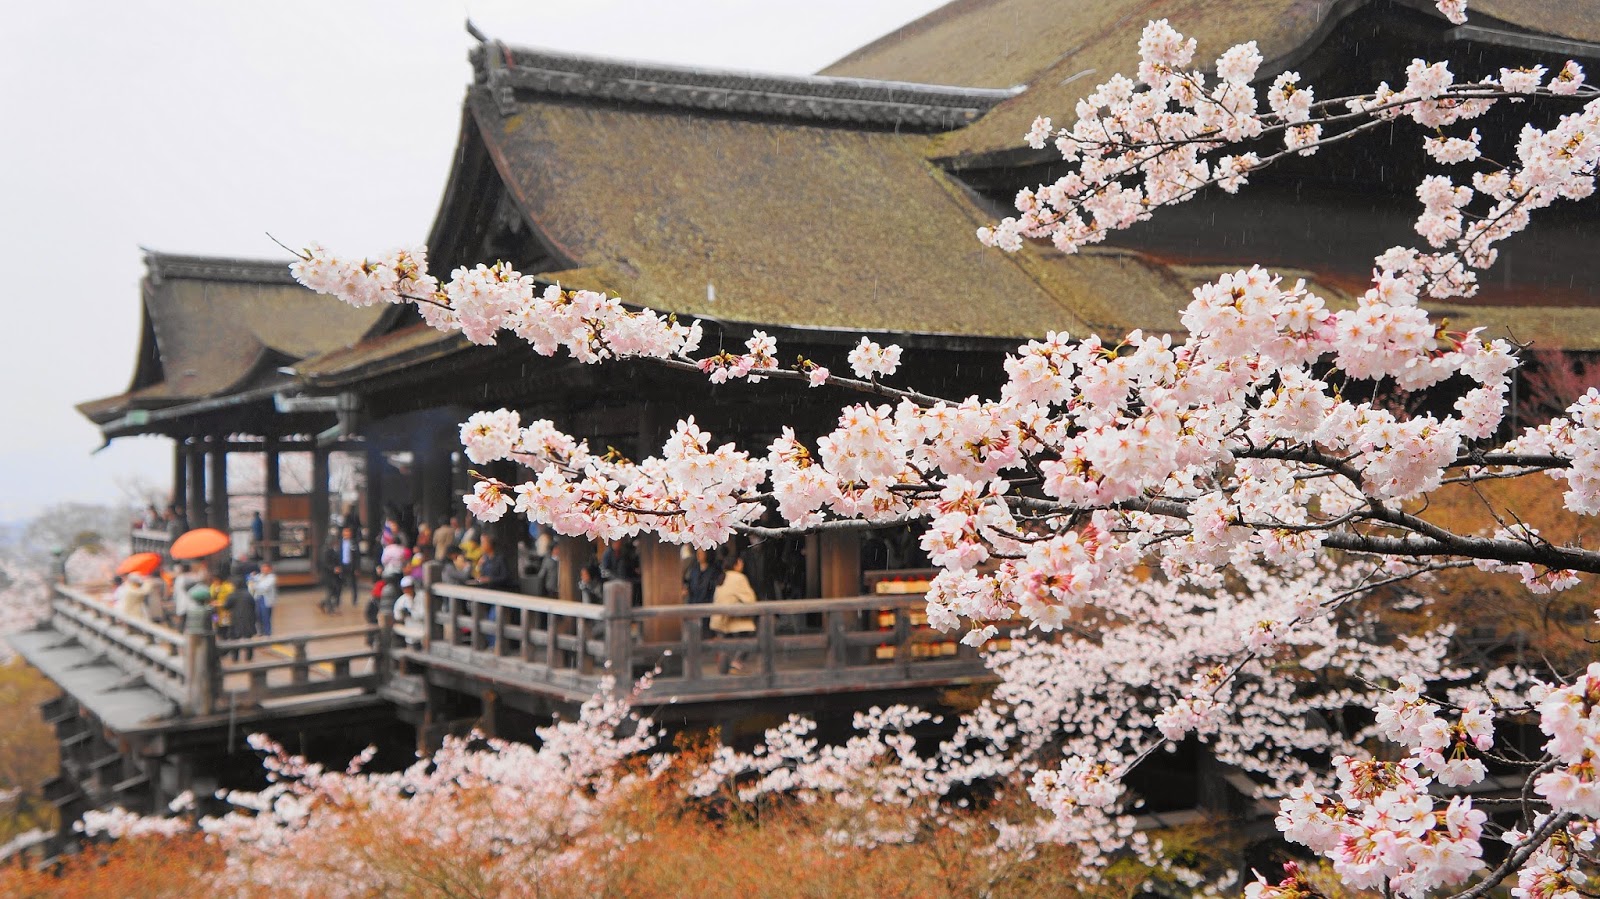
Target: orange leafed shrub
684 850
27 750
150 868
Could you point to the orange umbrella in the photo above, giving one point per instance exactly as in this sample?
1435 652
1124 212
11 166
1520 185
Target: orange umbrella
198 542
140 563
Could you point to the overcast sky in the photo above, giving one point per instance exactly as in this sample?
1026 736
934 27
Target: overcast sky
197 127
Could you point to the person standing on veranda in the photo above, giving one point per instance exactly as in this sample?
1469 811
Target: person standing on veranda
735 590
445 537
258 536
349 564
409 613
264 589
132 597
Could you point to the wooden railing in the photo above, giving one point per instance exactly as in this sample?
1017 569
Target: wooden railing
798 646
198 672
143 541
549 646
136 645
562 645
346 658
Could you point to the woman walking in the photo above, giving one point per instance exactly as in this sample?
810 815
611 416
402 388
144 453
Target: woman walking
735 590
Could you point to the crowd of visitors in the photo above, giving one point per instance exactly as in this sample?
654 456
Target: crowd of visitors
236 598
396 561
171 520
388 565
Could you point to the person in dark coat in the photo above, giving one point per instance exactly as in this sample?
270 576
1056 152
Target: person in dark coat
258 536
241 618
493 572
455 569
347 564
177 521
700 579
548 581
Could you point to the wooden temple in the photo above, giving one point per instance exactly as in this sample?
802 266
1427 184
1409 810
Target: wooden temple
211 373
815 208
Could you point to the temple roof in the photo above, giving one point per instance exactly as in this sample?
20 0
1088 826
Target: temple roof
509 72
782 201
1062 50
214 327
782 221
410 344
811 203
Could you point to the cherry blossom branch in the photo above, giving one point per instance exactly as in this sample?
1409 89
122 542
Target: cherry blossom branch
1518 858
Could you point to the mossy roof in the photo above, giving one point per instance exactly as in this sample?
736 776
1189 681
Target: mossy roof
1062 50
409 344
212 327
775 222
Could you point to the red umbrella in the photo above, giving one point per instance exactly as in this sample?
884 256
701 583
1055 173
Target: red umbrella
140 563
199 542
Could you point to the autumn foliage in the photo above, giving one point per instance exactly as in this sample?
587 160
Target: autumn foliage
676 847
27 751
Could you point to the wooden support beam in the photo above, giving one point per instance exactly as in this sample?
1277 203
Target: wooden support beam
661 576
217 515
840 559
320 509
274 487
180 475
374 511
201 672
434 493
513 528
576 552
490 722
195 451
290 446
618 597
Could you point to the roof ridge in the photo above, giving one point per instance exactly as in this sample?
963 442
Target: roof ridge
507 70
161 266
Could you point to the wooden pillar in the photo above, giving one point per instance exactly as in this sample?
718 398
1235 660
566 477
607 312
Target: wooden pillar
508 532
840 558
435 493
374 511
274 487
197 483
653 426
180 475
201 672
661 582
813 555
218 515
576 552
618 598
320 511
383 646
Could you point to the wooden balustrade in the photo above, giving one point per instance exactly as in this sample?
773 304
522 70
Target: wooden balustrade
529 636
142 648
861 642
145 541
555 647
354 662
190 668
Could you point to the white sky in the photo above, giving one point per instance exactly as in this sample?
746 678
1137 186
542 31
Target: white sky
197 127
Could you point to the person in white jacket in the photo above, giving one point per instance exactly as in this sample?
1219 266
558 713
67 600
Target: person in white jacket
264 588
735 590
409 613
131 596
